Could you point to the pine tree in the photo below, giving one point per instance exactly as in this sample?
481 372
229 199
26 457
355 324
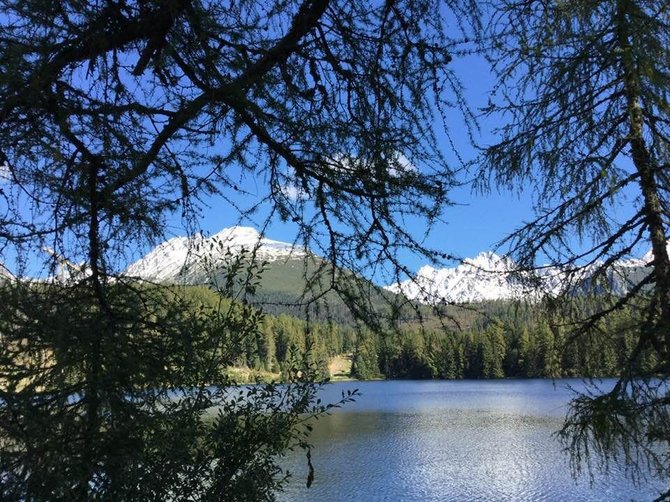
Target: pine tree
116 118
583 90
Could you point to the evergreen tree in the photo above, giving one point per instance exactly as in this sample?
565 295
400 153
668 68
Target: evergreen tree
583 89
494 347
118 116
268 350
526 353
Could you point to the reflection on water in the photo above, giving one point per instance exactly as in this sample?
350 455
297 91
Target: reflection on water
441 441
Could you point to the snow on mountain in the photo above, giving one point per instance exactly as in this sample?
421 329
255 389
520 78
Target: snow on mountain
185 259
649 256
485 277
5 273
488 276
492 277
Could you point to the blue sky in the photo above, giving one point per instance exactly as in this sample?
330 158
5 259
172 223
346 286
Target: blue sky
474 224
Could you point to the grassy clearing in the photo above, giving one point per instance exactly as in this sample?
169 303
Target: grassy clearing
340 367
242 374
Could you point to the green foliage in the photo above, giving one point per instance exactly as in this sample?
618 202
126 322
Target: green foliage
509 345
365 365
114 116
135 422
583 90
117 118
159 404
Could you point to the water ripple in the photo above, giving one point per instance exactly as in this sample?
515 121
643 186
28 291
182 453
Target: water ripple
408 441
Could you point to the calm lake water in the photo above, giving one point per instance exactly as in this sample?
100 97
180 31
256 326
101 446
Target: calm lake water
449 440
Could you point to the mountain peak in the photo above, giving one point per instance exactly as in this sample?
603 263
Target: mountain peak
183 258
238 234
648 258
488 261
485 277
489 276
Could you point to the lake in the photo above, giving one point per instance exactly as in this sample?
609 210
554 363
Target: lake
450 440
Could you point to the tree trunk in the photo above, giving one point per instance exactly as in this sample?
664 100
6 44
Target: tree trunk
645 166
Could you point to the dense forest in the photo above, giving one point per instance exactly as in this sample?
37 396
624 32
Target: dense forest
496 340
499 348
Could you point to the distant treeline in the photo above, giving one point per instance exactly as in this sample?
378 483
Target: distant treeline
498 350
504 342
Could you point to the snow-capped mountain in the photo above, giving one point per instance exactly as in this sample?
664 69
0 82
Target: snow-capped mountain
492 277
184 259
649 256
5 273
488 276
485 277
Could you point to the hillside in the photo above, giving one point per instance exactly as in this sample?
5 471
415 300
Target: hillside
287 279
475 320
292 280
